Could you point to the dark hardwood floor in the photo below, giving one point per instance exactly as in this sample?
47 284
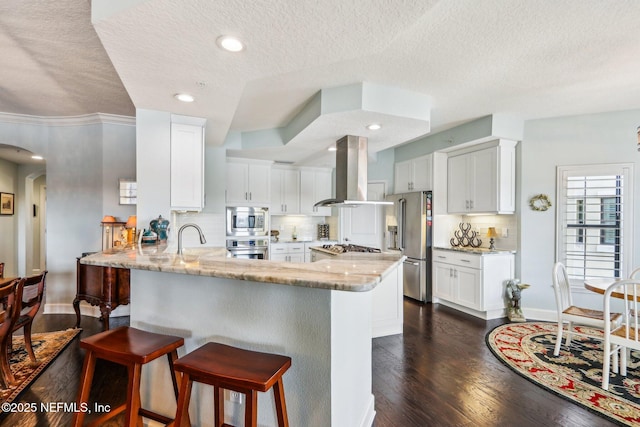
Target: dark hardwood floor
438 373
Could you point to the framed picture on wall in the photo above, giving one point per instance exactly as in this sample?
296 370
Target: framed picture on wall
6 203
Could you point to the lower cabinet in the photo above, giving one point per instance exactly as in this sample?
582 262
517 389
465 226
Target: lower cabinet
473 282
287 252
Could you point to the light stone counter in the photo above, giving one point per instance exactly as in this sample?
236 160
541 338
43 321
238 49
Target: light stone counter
360 256
296 309
356 274
477 251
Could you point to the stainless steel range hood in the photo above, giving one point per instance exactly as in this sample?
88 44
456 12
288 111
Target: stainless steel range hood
351 174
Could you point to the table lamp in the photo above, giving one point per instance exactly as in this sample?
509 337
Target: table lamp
491 234
132 223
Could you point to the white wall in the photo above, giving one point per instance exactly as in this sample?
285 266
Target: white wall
548 143
153 130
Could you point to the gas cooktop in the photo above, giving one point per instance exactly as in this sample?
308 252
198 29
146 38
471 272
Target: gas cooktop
340 248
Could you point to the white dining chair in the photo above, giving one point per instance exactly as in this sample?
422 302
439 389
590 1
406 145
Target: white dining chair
619 337
574 315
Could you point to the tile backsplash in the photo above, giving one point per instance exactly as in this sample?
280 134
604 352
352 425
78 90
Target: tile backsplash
505 225
306 226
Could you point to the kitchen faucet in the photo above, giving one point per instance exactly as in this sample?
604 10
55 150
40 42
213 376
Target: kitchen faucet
202 239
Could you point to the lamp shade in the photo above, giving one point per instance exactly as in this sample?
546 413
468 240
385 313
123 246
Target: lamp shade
108 218
132 222
491 232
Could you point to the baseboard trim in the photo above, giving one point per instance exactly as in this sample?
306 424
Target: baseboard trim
370 415
85 310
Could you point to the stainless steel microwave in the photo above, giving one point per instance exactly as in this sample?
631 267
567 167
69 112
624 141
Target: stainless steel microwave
247 221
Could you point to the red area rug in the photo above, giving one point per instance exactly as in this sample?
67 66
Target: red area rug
46 346
575 374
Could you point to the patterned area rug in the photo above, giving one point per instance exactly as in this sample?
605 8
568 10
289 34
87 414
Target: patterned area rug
575 374
46 346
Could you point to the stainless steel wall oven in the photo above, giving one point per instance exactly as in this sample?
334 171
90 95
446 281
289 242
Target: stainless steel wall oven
249 249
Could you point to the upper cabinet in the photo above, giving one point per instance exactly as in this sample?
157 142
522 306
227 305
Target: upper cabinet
482 179
187 163
248 182
414 175
285 191
315 185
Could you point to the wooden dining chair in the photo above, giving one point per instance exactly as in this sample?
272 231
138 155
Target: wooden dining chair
619 337
7 306
29 294
574 315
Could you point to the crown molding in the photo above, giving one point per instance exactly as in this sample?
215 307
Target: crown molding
83 120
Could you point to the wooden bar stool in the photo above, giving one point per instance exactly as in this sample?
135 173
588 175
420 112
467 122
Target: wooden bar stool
244 371
132 348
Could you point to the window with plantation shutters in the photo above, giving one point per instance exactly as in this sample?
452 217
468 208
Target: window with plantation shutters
595 213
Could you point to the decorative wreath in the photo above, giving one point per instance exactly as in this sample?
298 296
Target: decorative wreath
540 202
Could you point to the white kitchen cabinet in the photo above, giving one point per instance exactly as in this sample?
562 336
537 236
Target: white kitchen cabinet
248 182
315 185
471 282
287 252
414 175
285 191
482 179
187 163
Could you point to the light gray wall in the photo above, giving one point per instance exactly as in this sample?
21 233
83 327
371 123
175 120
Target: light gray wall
548 143
8 224
76 166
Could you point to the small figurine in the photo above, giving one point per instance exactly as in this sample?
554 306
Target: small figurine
160 226
514 289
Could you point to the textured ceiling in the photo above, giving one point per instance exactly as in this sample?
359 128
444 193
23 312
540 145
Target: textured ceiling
531 58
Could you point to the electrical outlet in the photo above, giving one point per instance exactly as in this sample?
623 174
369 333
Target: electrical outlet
235 397
505 233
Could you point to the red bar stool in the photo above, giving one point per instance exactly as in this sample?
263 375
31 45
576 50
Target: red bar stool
244 371
132 348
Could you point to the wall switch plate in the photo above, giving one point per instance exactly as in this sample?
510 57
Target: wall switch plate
234 396
505 233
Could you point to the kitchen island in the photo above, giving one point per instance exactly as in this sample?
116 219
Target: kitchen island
319 314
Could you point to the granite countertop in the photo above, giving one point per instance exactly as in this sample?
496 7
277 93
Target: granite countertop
373 256
334 274
478 251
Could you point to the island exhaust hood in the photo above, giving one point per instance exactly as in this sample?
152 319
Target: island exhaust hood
351 174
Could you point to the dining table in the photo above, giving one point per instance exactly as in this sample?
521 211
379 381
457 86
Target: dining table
600 286
6 280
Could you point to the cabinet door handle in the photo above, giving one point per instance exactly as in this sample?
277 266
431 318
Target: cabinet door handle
455 274
412 263
471 203
451 272
245 196
249 195
465 260
442 257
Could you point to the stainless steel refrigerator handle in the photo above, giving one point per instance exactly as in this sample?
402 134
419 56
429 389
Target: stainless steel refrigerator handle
401 219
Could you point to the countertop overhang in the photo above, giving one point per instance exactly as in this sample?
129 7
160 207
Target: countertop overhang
352 275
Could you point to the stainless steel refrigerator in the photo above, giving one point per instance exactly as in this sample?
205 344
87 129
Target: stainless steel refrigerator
409 224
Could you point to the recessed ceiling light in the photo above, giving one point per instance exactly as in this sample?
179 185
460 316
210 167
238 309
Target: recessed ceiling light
332 148
184 97
36 157
230 43
374 126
